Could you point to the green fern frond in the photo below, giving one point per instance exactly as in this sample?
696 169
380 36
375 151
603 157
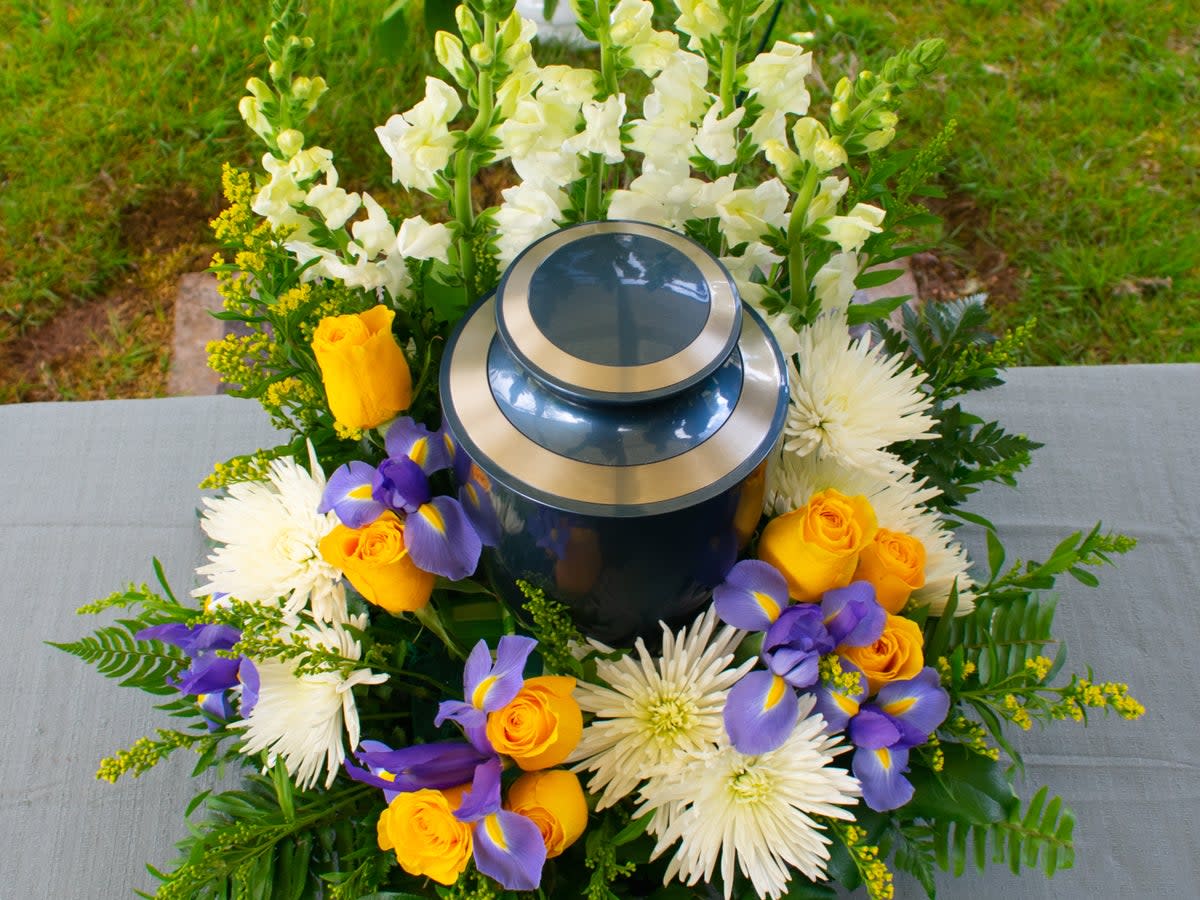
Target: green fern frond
999 636
1043 835
117 654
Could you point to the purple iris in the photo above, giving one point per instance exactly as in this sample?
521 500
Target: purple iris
902 716
437 766
438 532
761 709
507 846
487 687
210 675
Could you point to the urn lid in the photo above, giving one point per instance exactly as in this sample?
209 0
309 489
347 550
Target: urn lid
618 312
568 427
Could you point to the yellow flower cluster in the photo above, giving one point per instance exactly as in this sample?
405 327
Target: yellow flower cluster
1039 667
836 678
240 359
937 756
144 754
1109 695
973 736
1017 713
876 876
250 467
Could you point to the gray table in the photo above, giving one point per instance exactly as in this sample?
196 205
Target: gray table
94 490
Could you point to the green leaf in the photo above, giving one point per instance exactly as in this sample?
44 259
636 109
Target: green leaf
862 313
632 831
117 654
970 788
995 551
801 888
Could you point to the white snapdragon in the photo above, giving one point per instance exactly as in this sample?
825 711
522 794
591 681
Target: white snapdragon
419 141
418 239
527 213
277 200
335 205
815 146
700 20
717 137
660 195
631 29
535 126
374 234
670 111
776 78
710 194
602 129
824 203
834 282
516 87
770 126
786 161
746 214
755 259
568 85
851 230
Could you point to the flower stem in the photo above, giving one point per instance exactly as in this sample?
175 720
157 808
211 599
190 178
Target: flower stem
797 223
430 619
463 205
729 57
608 62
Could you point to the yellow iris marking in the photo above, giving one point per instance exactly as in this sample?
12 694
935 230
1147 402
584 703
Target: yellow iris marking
848 704
900 707
481 691
430 514
775 694
386 775
472 493
769 606
362 492
885 758
492 825
419 451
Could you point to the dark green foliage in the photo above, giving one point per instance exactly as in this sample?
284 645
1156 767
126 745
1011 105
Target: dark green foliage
1042 836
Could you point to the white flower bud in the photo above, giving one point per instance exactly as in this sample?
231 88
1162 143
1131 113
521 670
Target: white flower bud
290 142
449 51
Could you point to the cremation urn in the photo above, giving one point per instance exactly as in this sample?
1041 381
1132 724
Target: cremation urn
618 403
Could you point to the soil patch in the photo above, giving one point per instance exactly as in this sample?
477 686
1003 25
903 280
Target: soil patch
967 263
119 343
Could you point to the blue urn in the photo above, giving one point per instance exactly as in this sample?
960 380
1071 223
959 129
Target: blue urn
617 403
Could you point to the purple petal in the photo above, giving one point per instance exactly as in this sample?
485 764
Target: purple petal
217 708
483 797
852 614
191 639
794 643
175 633
477 667
507 675
760 712
510 849
459 461
752 596
881 773
441 540
477 503
349 494
836 706
443 764
414 441
209 674
871 730
248 676
400 484
917 706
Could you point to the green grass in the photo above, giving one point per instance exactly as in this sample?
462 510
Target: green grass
1079 140
1078 148
114 108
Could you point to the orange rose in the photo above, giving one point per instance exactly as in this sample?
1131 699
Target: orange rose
377 563
554 801
364 371
897 656
428 840
894 563
540 726
816 547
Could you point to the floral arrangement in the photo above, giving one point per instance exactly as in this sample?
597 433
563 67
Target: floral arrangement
841 708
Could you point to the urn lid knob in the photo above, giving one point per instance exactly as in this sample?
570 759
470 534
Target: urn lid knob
618 312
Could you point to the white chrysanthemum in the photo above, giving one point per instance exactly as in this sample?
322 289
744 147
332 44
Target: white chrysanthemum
899 504
753 812
850 401
301 718
656 708
269 532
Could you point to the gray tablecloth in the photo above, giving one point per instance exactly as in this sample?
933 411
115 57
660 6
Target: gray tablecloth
94 490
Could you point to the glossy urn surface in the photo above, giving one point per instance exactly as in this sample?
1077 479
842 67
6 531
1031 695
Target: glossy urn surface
617 403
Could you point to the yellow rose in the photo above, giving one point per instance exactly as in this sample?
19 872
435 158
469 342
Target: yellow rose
897 656
428 840
377 563
816 547
365 373
894 563
554 801
540 726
